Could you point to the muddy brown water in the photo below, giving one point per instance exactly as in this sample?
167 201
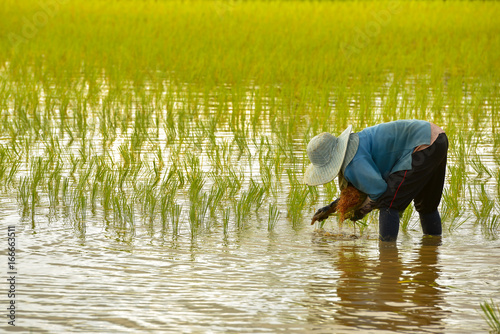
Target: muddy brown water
290 281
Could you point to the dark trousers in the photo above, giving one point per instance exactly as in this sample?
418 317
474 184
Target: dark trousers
423 184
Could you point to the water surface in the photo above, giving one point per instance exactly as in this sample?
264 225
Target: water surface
99 254
252 282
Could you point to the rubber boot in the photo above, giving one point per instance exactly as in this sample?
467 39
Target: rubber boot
431 223
388 224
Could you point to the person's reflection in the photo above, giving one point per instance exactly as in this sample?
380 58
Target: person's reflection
427 294
382 293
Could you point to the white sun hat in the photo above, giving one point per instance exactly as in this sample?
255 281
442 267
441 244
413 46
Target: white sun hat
326 153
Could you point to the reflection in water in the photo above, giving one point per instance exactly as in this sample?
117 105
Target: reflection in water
381 293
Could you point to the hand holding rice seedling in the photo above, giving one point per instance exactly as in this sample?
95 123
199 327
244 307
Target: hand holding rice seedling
345 206
351 200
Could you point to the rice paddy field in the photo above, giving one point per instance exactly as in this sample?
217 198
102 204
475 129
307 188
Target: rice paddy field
152 154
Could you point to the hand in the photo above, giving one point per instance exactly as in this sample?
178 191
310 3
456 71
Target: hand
325 212
357 215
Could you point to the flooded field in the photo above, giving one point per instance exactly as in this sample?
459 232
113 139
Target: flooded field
152 155
251 282
161 251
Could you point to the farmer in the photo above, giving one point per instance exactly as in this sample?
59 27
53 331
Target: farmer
393 163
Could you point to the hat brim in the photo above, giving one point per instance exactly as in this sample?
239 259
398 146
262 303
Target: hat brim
316 175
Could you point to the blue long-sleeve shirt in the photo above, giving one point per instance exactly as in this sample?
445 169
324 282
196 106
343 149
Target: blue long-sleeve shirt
384 149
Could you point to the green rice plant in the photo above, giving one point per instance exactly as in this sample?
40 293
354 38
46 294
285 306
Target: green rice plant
54 185
75 162
170 176
483 211
79 206
259 105
203 208
194 223
197 213
361 224
14 167
93 197
64 189
235 181
220 156
175 214
273 217
297 198
313 194
240 138
225 220
481 170
215 197
108 188
268 182
167 192
330 190
159 157
165 204
239 213
491 224
453 198
255 195
232 64
296 202
179 177
38 166
126 155
491 313
405 218
496 144
242 209
150 202
497 180
23 196
4 161
455 223
197 181
123 211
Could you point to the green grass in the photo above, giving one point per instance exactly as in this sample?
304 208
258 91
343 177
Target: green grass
199 112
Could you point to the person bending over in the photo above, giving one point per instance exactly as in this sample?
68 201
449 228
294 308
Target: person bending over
392 163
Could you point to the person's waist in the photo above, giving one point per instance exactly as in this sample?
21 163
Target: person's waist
435 132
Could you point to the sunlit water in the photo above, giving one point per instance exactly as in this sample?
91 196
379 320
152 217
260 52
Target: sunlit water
250 282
